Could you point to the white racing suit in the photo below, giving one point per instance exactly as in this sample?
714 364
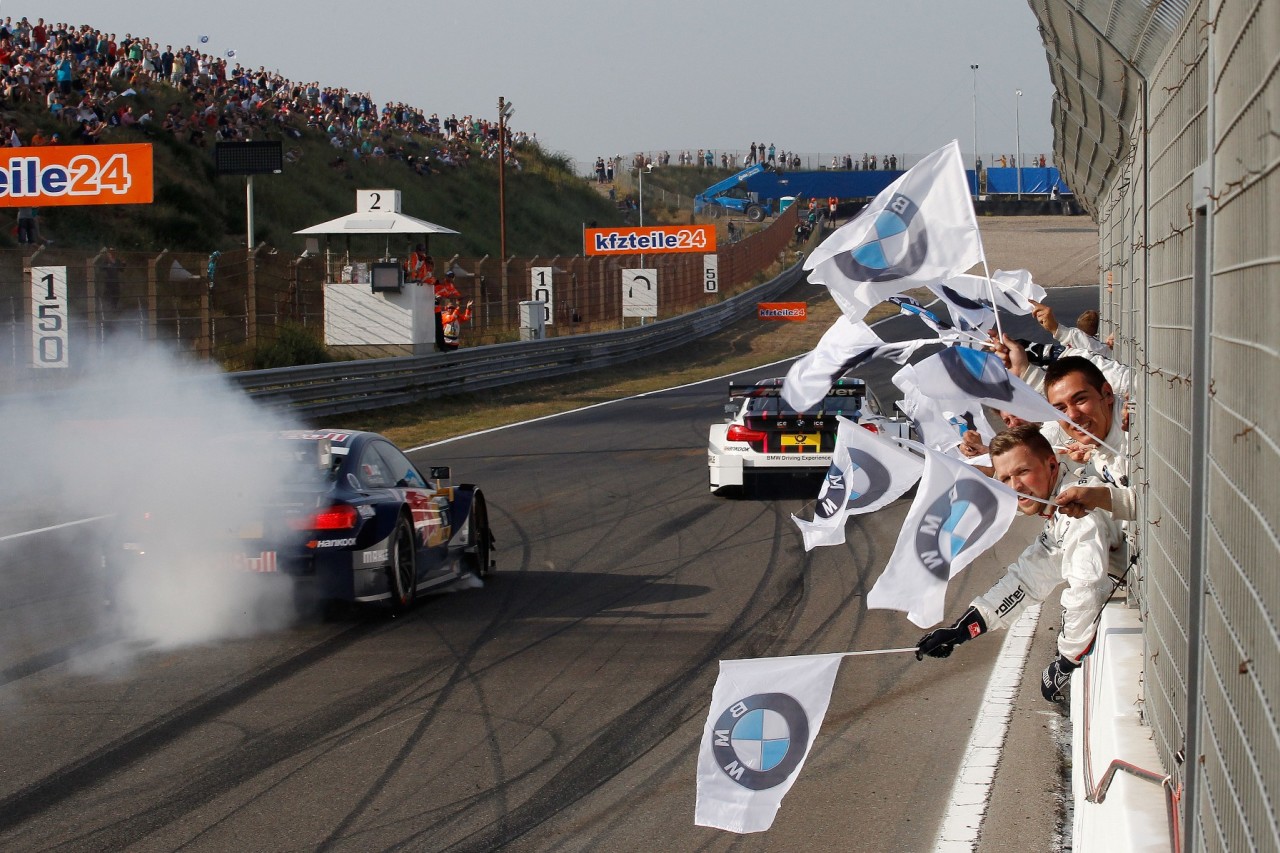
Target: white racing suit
1075 550
1070 336
1113 472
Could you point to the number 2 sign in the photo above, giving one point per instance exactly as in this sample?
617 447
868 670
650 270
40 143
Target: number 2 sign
49 316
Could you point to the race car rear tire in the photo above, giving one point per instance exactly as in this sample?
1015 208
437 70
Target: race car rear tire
479 561
403 570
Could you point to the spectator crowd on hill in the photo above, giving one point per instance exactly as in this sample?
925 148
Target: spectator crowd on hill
770 155
776 159
94 84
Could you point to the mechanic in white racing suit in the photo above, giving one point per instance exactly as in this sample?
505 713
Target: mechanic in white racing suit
1075 550
1083 391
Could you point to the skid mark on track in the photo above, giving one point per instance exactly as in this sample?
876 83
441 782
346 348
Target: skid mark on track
51 658
127 750
759 628
461 672
255 754
604 757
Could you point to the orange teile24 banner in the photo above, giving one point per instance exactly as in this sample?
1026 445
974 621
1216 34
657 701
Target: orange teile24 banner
59 175
653 239
782 310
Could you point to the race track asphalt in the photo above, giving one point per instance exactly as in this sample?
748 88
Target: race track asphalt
557 708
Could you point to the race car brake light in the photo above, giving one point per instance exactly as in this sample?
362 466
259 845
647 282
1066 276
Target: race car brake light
737 432
870 427
336 517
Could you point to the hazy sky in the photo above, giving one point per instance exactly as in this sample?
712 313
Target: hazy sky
600 77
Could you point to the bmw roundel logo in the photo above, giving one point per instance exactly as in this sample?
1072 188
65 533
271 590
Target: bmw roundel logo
949 524
859 485
760 740
895 247
977 373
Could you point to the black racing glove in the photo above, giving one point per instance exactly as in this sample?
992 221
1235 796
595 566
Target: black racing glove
939 642
1056 677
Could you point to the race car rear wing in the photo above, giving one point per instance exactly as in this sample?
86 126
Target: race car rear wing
848 387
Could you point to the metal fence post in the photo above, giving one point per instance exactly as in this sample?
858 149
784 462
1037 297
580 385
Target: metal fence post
153 291
251 300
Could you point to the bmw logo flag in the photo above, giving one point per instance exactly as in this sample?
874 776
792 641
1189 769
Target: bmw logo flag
919 230
765 714
958 513
867 472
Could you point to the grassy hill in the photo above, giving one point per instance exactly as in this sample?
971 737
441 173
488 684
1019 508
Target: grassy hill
195 209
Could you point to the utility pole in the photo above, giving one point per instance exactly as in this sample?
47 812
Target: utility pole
977 178
504 111
1017 135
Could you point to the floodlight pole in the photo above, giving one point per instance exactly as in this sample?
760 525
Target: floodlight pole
1017 135
977 178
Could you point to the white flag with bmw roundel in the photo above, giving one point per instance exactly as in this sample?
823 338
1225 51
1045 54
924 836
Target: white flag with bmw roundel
867 471
958 513
917 231
968 297
971 375
765 714
842 348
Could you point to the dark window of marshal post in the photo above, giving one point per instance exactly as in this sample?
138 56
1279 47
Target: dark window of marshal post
249 159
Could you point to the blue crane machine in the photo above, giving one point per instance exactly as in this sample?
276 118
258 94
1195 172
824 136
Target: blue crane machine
731 195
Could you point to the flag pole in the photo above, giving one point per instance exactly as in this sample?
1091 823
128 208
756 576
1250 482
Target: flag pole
841 654
991 292
1118 454
981 342
1036 499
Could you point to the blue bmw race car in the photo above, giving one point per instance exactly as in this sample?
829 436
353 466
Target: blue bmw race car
354 521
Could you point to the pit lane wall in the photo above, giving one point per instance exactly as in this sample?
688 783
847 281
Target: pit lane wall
1167 126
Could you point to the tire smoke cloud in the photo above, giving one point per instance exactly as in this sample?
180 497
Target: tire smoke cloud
170 452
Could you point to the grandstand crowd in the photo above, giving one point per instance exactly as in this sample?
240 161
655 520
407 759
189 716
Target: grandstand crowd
771 155
96 87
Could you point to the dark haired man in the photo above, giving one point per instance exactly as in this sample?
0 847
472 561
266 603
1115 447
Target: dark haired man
1075 550
1077 387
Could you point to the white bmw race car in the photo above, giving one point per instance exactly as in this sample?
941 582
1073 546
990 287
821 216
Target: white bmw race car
762 434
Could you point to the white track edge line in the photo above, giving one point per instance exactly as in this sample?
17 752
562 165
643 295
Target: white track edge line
52 528
971 792
593 406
